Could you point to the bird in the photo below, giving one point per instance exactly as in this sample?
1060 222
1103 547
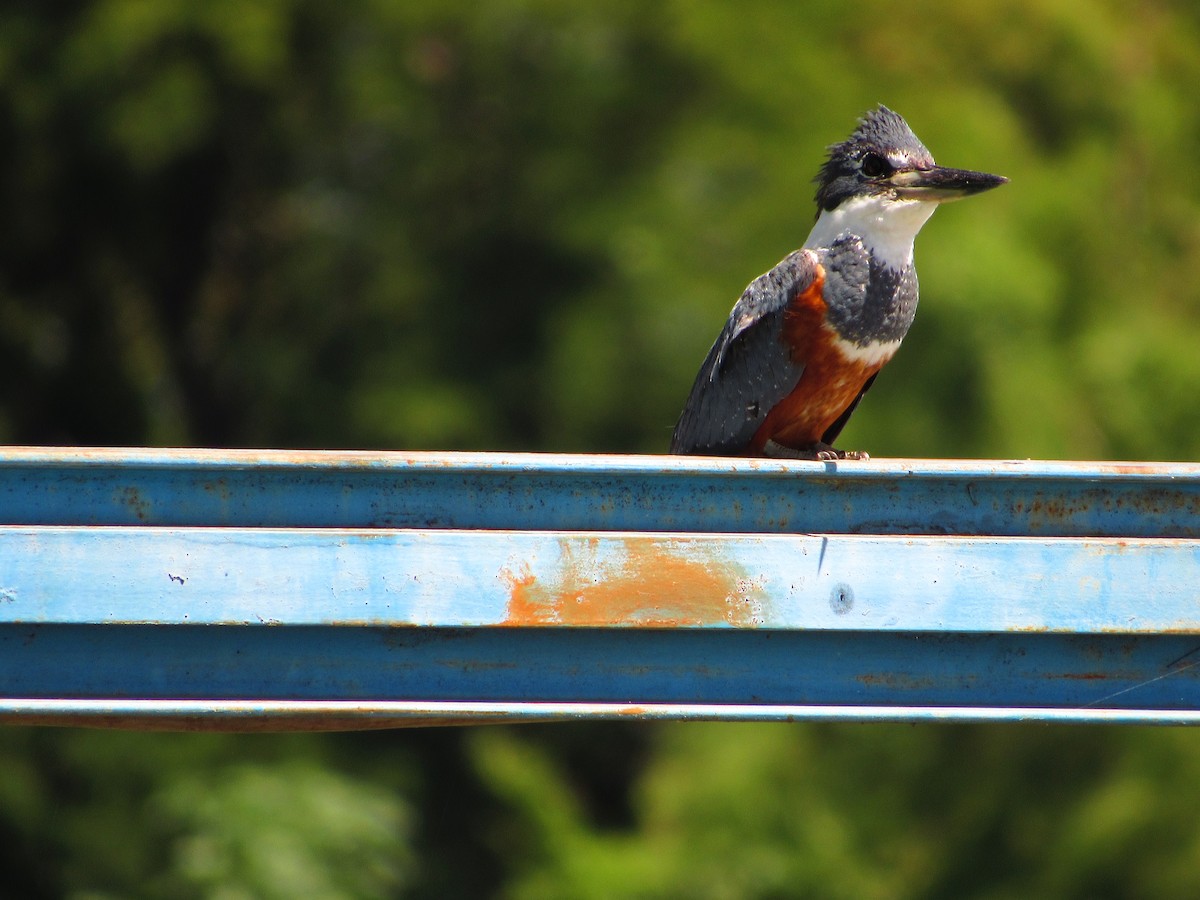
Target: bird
806 340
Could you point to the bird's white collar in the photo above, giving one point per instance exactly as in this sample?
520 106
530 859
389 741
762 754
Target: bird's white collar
886 226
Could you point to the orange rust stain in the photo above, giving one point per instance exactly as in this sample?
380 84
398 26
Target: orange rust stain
830 381
1128 468
651 582
1183 628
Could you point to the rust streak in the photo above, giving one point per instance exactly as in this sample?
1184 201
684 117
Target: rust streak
895 681
130 496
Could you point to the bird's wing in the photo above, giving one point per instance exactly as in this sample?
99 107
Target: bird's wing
749 369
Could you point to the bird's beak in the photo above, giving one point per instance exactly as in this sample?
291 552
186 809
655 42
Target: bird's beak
941 184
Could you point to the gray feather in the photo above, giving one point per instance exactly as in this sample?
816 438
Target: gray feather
867 301
749 369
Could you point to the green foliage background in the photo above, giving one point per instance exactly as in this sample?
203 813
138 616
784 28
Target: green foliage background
519 224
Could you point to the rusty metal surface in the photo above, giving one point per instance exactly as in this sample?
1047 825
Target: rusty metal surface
452 579
271 590
68 486
241 668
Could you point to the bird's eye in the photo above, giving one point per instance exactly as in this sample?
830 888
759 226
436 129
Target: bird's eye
875 166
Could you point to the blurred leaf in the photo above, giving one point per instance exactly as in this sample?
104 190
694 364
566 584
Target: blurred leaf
296 830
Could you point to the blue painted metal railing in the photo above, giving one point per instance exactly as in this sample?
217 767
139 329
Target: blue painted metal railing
306 590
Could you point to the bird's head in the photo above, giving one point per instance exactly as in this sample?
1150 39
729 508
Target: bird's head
881 184
884 160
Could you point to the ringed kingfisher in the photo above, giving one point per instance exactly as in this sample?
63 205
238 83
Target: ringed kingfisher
806 340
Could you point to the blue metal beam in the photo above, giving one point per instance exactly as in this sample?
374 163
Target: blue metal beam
563 492
455 579
275 590
635 667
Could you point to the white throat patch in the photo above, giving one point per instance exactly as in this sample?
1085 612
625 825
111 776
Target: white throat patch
887 227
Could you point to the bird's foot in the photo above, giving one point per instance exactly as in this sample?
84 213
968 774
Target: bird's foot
819 451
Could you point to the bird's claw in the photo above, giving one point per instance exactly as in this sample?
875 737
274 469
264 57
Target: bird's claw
818 451
843 454
827 453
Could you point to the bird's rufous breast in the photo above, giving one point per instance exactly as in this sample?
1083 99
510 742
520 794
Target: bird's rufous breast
831 380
